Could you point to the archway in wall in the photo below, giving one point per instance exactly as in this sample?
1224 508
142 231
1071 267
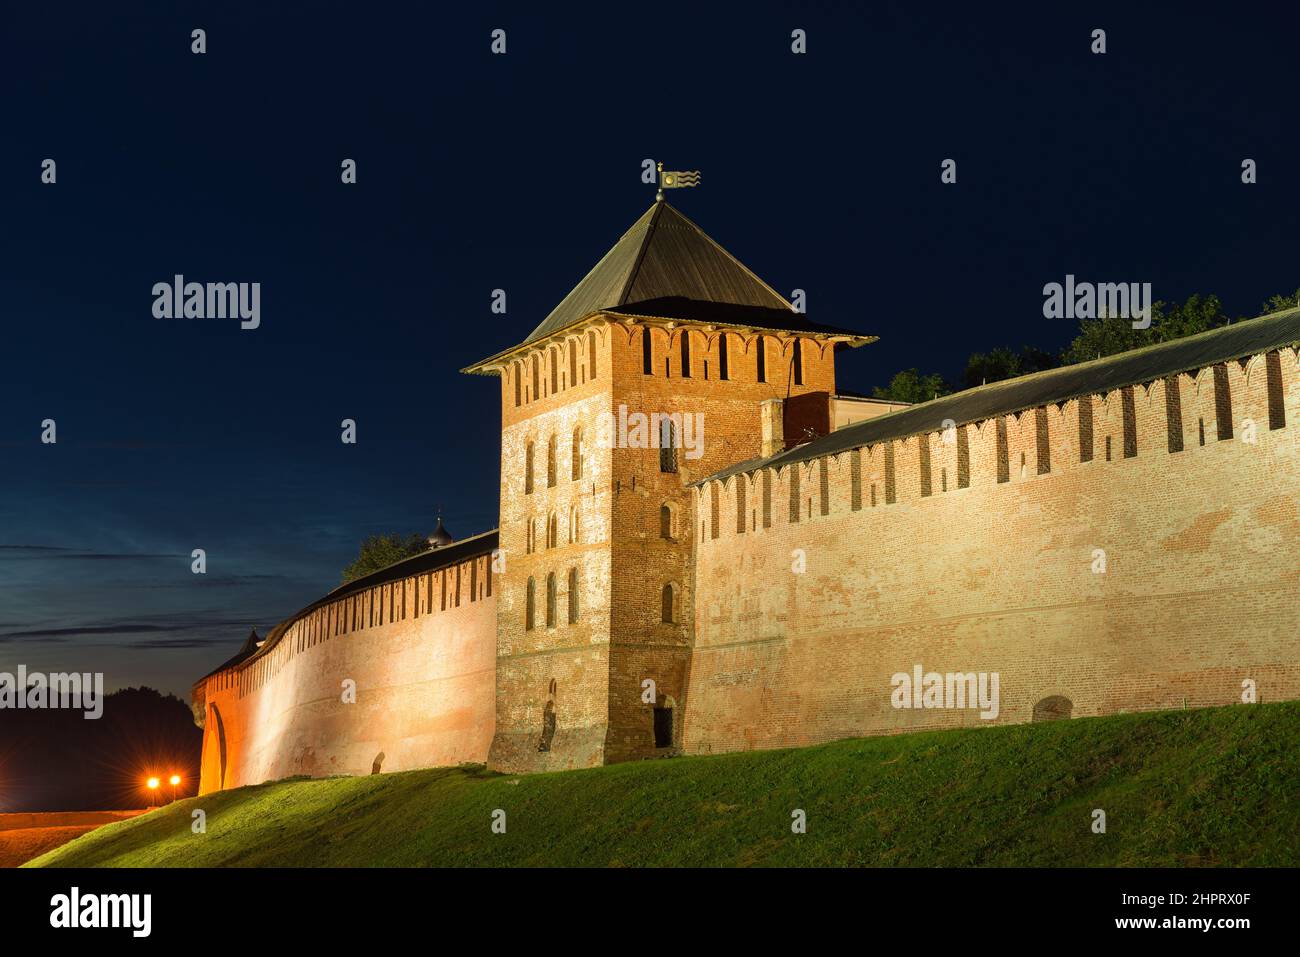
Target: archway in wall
221 742
1053 708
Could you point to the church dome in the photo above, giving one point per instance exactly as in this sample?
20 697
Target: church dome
440 536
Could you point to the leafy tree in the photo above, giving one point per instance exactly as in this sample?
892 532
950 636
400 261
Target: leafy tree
1278 303
911 386
1002 363
380 551
1169 321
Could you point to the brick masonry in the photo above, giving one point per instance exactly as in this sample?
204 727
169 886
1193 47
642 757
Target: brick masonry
772 609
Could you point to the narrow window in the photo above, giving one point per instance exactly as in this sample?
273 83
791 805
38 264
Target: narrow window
517 373
963 458
528 469
741 482
575 469
723 368
1273 373
761 352
1201 429
686 354
767 498
473 585
713 510
552 531
647 361
1108 448
530 606
550 462
891 493
1130 422
1222 402
555 370
923 458
665 521
667 445
573 362
1043 440
537 379
444 591
824 486
573 595
794 492
591 355
550 600
1174 414
797 362
1085 428
666 605
1004 466
855 479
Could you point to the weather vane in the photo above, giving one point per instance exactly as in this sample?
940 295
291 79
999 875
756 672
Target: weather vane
674 179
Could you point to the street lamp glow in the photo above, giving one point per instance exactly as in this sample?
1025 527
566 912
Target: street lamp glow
175 780
153 784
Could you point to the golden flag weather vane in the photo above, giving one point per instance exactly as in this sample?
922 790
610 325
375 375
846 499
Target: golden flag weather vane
675 179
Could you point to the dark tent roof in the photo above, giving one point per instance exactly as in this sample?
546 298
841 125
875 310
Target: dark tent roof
430 560
1137 366
666 267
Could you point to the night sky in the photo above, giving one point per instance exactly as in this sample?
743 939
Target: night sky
478 172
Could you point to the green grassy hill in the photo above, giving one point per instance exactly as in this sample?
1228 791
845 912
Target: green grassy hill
1207 787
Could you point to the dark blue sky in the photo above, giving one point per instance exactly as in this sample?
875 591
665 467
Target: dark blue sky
478 171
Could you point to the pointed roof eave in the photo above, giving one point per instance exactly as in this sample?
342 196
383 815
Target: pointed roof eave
682 275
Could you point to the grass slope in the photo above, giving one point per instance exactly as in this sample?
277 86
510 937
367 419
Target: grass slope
1205 787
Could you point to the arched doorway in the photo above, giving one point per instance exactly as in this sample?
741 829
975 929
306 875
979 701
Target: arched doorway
1053 708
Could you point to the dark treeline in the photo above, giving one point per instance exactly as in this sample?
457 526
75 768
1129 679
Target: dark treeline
1097 338
57 760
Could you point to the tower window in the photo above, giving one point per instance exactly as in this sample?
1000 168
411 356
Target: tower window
686 354
666 605
573 595
666 521
797 362
576 467
550 600
647 360
591 355
723 364
528 469
667 445
550 462
530 606
761 353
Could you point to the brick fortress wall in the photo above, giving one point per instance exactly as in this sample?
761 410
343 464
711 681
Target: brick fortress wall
984 553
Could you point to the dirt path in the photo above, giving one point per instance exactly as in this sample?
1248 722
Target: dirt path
25 836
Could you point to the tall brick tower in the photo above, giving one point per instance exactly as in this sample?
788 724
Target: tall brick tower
669 361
